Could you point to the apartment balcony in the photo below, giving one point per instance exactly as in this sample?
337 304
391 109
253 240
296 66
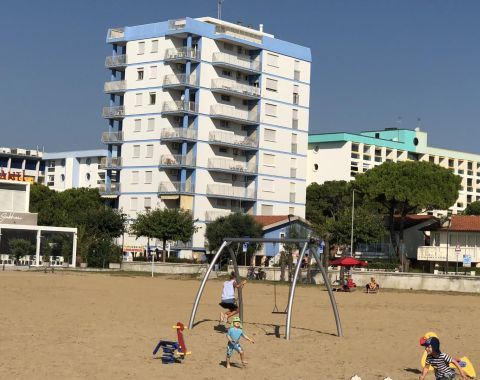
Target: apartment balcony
115 87
116 112
182 55
114 138
440 253
231 87
294 123
223 112
180 81
116 35
110 163
178 134
212 215
117 62
231 192
236 62
113 189
231 166
179 108
175 188
176 161
232 140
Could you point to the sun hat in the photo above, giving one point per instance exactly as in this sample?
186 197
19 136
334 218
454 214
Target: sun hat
236 319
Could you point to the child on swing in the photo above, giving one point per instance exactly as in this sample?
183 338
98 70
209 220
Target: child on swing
235 332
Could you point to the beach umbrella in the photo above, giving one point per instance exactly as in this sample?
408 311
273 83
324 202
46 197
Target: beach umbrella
348 262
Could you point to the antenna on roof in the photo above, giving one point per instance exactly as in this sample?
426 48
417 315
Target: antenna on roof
219 9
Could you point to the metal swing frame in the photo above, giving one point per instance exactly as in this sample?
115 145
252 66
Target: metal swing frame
227 245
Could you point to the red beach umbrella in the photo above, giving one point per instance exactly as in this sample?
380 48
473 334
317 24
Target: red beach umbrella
348 262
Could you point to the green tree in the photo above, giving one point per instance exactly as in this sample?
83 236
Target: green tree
409 187
21 247
167 224
473 208
236 225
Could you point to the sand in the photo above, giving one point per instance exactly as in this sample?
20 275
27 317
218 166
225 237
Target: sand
101 326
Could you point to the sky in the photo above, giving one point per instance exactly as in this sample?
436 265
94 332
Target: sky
375 64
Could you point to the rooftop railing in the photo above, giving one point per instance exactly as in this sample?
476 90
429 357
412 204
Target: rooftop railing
116 61
180 106
178 134
115 86
112 137
115 34
231 165
235 87
115 112
175 187
230 191
232 139
233 113
183 53
180 79
177 24
176 160
242 61
238 33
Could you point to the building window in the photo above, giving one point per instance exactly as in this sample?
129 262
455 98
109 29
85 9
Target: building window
296 96
268 159
135 177
136 151
62 177
267 209
153 98
272 85
147 203
270 135
315 167
153 72
150 124
149 151
272 60
154 46
141 47
87 176
223 150
268 185
225 98
226 73
148 177
228 46
270 109
224 124
138 99
140 73
133 203
138 125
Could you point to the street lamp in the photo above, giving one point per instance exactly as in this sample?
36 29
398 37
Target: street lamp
353 215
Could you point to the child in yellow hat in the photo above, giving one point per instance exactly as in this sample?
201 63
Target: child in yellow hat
234 333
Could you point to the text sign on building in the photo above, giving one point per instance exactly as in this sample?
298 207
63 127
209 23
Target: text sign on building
11 217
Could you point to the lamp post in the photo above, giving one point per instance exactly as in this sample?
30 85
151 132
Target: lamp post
353 215
449 219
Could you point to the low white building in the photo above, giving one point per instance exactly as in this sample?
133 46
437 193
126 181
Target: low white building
67 170
21 164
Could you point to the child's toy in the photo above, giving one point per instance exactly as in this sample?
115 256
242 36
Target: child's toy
173 352
464 362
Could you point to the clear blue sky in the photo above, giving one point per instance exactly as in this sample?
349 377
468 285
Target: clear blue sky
373 62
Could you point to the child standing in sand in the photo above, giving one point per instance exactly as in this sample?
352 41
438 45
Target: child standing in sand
440 362
235 332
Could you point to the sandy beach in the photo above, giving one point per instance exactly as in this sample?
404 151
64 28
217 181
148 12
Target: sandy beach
101 326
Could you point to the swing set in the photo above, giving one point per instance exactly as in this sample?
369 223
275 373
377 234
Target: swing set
307 243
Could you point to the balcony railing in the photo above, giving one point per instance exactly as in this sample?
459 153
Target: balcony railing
115 86
116 61
176 160
175 134
181 54
293 172
223 164
177 24
227 191
294 148
295 123
110 163
116 112
112 137
115 34
180 107
231 113
232 139
175 187
292 197
237 61
212 215
231 86
183 80
437 253
114 188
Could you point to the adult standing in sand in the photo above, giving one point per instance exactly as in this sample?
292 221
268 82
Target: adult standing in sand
228 297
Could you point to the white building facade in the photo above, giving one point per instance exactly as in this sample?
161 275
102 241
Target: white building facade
20 164
208 116
341 156
74 169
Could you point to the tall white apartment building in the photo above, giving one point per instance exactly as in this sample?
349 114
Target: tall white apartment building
67 170
209 116
341 156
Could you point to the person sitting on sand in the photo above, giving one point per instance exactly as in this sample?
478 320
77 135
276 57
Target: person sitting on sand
234 333
228 297
440 362
372 286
